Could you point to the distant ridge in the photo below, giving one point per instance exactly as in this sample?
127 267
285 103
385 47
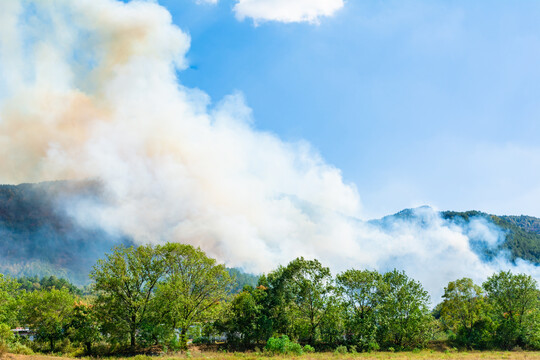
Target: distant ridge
38 237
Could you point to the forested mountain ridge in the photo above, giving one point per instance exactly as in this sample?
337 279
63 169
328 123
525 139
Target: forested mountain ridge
38 237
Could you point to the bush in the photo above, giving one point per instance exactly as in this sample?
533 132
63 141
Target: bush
142 357
342 349
283 345
309 349
18 348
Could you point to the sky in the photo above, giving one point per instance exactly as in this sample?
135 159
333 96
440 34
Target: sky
415 102
265 130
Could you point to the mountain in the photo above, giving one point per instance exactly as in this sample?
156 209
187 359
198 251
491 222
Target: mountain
521 234
39 236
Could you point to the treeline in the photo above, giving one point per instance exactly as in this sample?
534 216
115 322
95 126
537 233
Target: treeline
158 297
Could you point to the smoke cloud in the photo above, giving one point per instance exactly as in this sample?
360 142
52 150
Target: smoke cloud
88 90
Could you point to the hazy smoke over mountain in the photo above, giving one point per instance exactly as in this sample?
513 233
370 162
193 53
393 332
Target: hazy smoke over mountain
88 90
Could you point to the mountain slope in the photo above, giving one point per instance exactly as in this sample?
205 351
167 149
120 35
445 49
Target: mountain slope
39 237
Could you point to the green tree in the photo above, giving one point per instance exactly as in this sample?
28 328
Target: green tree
126 281
48 312
404 319
8 300
464 311
514 299
194 287
8 307
84 325
245 321
306 292
360 292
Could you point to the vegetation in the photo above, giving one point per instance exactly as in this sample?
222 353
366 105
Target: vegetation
148 299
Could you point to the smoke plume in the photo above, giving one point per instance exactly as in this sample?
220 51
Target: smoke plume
88 90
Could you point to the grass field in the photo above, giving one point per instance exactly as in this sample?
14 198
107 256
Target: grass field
495 355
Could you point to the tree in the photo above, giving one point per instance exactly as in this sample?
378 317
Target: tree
464 312
404 318
194 287
514 299
8 307
245 321
8 295
84 325
360 291
126 281
48 312
306 292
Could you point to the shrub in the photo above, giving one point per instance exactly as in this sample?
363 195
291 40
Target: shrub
142 357
283 345
372 346
342 349
18 348
309 349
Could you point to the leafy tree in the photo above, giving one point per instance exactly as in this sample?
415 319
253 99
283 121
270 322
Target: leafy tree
360 292
404 318
84 325
464 311
8 296
307 293
194 287
126 281
246 323
514 299
48 313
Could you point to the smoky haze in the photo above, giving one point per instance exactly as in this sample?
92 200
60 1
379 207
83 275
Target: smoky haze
89 90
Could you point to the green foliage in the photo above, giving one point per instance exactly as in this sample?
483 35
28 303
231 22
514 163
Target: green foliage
305 289
283 345
8 300
309 349
245 323
241 279
84 326
125 282
48 314
194 288
47 283
405 321
18 348
361 295
515 309
522 237
342 349
464 312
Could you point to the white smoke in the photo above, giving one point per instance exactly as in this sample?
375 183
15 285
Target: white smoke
89 90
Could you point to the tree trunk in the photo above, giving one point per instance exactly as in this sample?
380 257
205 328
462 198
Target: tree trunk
88 346
133 331
183 338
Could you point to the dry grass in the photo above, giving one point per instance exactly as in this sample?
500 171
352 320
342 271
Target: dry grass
427 355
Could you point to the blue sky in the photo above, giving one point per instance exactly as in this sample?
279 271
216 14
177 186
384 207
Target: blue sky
416 102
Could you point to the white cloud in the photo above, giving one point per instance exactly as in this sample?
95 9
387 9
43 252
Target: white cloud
287 11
